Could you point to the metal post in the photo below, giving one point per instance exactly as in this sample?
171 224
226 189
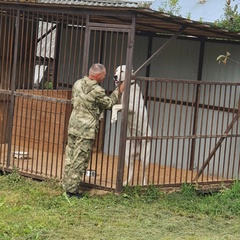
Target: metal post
13 86
123 136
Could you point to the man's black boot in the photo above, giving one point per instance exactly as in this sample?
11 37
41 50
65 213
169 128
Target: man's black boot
77 195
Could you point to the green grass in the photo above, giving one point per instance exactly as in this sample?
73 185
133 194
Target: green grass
39 210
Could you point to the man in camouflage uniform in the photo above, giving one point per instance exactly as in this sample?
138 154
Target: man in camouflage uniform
89 100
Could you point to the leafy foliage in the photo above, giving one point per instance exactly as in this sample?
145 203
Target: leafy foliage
230 19
170 6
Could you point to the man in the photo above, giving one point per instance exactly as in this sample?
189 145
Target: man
89 100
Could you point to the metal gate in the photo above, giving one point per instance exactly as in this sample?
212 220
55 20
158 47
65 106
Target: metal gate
111 45
42 53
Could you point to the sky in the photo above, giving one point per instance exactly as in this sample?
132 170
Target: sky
208 11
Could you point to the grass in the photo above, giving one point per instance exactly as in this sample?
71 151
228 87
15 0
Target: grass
39 210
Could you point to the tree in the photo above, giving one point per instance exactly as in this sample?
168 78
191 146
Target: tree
170 6
231 18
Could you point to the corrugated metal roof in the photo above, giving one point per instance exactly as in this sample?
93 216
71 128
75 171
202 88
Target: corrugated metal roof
101 3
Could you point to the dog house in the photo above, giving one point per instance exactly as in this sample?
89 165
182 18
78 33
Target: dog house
191 100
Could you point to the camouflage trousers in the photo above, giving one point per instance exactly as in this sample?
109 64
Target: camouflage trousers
78 153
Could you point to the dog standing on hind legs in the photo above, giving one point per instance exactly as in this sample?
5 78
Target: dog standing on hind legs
137 126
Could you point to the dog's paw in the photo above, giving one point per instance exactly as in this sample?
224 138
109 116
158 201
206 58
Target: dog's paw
113 120
125 183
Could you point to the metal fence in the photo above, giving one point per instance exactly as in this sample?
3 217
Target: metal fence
176 131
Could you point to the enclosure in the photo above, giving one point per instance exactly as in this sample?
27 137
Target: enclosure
192 102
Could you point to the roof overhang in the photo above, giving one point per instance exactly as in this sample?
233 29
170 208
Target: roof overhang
147 20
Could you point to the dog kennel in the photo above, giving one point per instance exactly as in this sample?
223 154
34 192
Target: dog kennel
191 100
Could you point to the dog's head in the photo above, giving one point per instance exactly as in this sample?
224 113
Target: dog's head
120 74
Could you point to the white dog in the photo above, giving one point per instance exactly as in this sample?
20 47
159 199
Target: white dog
137 125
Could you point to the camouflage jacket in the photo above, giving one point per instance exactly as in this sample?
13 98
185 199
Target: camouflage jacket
89 100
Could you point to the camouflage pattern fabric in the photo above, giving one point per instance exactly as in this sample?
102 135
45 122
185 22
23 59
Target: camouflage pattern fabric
78 152
89 100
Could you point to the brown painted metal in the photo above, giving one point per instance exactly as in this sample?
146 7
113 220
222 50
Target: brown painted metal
40 115
13 86
218 144
123 136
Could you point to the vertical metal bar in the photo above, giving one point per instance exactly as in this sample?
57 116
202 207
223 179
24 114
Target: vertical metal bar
45 59
69 54
13 85
226 140
35 26
195 120
81 59
56 54
107 47
123 136
162 133
233 144
178 133
19 137
212 128
10 50
75 50
86 48
31 128
231 139
217 130
174 130
191 117
31 46
49 39
139 125
4 98
24 107
154 83
186 117
36 85
25 22
60 47
158 131
222 127
149 134
207 127
20 62
168 133
99 55
199 86
64 46
59 157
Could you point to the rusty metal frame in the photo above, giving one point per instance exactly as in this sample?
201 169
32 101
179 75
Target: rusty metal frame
131 34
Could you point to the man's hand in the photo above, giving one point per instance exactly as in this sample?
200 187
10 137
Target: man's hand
121 87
